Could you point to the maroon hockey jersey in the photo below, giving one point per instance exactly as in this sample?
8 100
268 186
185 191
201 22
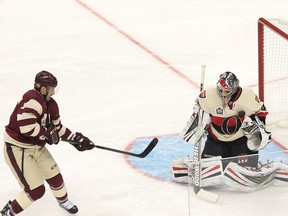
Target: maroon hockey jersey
29 120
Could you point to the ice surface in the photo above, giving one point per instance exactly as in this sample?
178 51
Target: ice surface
128 69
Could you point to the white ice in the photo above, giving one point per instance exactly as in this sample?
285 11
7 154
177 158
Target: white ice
128 69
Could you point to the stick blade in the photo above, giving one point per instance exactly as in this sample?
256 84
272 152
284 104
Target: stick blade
208 196
149 148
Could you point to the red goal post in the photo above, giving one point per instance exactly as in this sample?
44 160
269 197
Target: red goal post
273 68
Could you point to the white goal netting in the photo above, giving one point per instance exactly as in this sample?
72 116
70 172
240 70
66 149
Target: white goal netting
274 57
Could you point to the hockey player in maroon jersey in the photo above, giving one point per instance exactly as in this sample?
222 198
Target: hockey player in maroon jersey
35 122
228 105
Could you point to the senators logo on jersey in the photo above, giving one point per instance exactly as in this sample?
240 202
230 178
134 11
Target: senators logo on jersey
228 125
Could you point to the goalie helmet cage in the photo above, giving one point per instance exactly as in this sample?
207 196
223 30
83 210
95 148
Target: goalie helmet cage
273 69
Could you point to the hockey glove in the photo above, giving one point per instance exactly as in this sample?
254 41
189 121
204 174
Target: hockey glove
257 136
52 135
84 142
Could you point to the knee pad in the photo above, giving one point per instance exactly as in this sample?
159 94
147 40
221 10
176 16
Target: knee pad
37 193
56 181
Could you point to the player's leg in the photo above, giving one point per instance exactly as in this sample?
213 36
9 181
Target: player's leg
24 168
53 177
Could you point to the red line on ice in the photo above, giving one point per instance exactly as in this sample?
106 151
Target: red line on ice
139 44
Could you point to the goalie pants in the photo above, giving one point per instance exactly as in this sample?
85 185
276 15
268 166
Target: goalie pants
234 148
31 167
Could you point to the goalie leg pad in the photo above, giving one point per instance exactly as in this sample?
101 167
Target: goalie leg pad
247 179
281 175
211 170
180 170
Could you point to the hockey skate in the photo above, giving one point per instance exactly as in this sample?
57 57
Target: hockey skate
6 210
70 207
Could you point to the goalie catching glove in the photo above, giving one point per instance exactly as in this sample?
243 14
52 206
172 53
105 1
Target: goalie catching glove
84 143
257 136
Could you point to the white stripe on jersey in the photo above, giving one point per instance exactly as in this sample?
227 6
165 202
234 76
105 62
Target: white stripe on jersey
33 104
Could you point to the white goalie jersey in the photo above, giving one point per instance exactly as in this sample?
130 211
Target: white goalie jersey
226 120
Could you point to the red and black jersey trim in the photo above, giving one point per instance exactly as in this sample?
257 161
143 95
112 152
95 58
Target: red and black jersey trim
235 97
228 125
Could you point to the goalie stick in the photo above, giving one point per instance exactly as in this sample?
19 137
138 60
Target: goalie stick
143 154
198 190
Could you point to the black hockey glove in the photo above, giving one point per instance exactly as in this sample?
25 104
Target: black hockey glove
84 142
51 134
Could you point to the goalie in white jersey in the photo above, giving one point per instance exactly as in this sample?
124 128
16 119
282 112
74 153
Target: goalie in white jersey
229 106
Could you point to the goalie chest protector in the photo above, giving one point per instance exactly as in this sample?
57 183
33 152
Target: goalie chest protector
225 119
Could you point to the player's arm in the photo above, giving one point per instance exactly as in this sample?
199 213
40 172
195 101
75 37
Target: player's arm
27 117
254 107
64 132
261 114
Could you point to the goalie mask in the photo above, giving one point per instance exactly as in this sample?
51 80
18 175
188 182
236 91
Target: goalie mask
226 86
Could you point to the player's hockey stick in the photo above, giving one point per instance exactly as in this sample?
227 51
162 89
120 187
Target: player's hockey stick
198 190
143 154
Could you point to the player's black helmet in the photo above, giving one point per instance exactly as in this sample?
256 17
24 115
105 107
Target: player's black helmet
45 78
227 85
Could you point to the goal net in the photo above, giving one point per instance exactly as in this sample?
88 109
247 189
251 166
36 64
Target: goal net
273 69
